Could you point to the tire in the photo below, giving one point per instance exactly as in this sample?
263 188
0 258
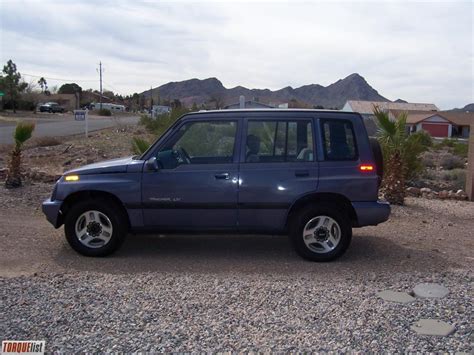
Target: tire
378 156
317 250
100 240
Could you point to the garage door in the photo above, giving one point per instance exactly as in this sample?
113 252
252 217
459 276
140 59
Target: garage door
436 130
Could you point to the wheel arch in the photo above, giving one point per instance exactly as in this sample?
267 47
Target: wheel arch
91 194
323 198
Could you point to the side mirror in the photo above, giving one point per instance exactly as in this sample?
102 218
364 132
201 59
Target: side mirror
152 164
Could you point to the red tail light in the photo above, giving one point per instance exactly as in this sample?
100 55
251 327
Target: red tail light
366 167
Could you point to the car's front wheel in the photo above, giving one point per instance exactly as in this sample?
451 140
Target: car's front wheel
320 233
95 228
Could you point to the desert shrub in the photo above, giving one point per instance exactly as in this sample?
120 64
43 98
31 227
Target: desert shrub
457 178
46 141
461 149
162 122
428 174
428 160
139 145
449 161
104 112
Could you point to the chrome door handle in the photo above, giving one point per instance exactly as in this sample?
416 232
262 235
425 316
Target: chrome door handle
222 176
301 173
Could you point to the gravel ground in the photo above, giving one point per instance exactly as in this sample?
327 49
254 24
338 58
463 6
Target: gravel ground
190 312
245 293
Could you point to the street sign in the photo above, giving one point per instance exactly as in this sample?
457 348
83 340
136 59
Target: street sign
2 93
82 115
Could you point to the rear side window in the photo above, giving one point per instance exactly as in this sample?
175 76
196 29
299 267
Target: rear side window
279 141
338 140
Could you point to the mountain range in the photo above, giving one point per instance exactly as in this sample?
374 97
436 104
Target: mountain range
353 87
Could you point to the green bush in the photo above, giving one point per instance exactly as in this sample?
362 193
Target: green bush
104 112
424 138
461 149
448 142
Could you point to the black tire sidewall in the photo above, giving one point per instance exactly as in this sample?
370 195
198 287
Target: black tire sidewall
116 218
299 222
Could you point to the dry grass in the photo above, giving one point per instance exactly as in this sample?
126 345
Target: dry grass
46 141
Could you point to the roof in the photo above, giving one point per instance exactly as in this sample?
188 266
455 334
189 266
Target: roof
248 103
366 107
271 110
413 118
459 118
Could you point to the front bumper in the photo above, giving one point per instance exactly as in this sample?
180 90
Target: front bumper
371 213
52 210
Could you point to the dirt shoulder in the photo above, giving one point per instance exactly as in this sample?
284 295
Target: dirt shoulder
429 236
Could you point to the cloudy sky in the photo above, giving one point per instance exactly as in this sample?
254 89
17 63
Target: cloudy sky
420 52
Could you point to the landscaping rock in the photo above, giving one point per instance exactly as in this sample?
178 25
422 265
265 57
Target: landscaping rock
425 190
430 290
413 191
443 195
394 296
433 327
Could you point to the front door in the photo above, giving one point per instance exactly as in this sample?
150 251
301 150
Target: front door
197 183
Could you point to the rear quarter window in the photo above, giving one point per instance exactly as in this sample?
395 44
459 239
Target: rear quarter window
339 142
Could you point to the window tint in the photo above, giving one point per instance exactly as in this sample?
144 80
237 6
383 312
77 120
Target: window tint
338 140
279 141
206 142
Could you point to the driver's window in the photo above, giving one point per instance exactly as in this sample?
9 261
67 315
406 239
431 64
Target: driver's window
203 142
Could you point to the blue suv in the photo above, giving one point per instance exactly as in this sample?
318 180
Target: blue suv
311 174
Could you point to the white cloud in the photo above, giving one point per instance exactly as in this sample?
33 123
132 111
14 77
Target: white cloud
416 51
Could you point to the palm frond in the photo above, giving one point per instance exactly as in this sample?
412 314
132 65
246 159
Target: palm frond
23 132
139 145
387 128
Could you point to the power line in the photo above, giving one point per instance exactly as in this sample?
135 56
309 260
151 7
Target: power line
59 79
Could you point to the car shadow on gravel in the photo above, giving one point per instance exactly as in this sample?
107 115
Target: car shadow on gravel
250 254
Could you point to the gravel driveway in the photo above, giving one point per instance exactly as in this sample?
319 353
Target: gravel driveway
224 292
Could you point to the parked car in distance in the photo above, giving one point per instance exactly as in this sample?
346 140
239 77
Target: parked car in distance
311 174
51 107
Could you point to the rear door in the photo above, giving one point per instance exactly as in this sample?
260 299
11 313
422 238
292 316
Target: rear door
278 164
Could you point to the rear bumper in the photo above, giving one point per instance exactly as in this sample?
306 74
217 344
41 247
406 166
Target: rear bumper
52 210
371 213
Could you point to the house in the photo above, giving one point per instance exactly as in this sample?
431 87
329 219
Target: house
366 109
158 110
246 104
441 124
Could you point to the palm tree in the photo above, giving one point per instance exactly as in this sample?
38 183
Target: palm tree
22 133
401 153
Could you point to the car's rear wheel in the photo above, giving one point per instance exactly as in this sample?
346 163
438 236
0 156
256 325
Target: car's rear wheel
320 233
95 228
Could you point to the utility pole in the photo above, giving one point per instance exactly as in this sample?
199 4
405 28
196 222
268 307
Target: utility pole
100 75
151 100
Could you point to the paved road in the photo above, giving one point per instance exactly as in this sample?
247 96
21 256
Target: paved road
61 127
